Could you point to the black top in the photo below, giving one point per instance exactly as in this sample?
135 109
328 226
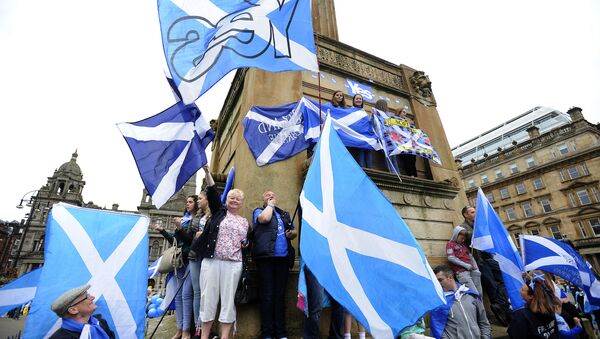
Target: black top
62 333
263 236
184 237
525 324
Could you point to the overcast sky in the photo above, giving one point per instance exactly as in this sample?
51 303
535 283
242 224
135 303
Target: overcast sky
71 69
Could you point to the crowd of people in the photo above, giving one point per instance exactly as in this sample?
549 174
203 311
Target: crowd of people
214 237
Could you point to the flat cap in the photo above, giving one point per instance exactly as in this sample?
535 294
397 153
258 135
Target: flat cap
62 303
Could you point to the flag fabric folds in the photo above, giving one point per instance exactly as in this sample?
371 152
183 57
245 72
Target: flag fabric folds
367 259
168 148
275 133
490 235
19 291
105 249
204 40
401 137
559 258
153 268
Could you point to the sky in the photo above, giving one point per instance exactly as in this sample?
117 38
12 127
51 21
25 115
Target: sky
71 69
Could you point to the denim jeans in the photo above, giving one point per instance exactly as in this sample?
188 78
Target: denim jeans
273 275
183 299
195 266
315 298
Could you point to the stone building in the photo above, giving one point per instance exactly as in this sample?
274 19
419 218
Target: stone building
428 203
540 171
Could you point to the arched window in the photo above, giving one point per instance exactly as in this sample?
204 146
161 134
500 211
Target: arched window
154 249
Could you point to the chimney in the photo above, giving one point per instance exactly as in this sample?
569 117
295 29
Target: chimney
575 114
115 207
533 131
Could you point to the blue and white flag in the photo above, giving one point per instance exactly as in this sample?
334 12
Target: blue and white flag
367 259
275 133
153 268
105 249
228 185
204 40
168 148
490 235
559 258
352 124
19 291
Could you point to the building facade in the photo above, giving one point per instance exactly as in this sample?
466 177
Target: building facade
540 171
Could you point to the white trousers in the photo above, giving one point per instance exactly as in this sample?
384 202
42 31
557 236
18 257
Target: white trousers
218 281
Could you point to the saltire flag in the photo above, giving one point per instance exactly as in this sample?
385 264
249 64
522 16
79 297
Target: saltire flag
275 133
204 40
557 257
170 292
401 137
105 249
367 260
19 291
168 148
352 124
153 268
489 235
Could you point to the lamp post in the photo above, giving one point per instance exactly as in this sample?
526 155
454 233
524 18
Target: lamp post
29 203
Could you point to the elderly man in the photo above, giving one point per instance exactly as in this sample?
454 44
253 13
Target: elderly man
463 316
274 256
75 307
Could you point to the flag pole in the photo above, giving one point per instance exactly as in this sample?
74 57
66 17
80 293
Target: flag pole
522 243
319 82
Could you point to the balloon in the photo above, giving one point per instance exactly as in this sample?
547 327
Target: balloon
152 313
154 297
158 301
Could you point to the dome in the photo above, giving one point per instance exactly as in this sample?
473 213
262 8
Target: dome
71 166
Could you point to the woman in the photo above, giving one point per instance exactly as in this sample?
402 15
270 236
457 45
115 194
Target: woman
185 229
364 157
537 319
195 260
462 261
338 99
220 246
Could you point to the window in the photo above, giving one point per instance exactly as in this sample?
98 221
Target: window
562 176
490 197
517 235
555 230
573 173
582 230
520 188
584 169
154 249
546 205
471 183
514 168
595 224
510 213
504 193
584 198
535 231
530 162
595 193
498 173
572 200
563 149
484 179
538 183
527 210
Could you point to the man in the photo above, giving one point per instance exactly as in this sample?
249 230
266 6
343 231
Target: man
491 275
463 316
75 307
274 256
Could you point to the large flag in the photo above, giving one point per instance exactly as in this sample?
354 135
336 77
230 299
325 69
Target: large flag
19 291
489 235
352 124
204 40
401 137
168 148
106 249
559 258
275 133
367 259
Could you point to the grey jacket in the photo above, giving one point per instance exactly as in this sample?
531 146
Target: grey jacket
466 319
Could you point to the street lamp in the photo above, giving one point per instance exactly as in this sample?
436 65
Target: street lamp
29 203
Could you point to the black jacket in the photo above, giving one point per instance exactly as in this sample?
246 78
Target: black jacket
61 333
204 246
263 236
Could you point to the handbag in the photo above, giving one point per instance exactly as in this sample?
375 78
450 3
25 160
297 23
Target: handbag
247 291
172 259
